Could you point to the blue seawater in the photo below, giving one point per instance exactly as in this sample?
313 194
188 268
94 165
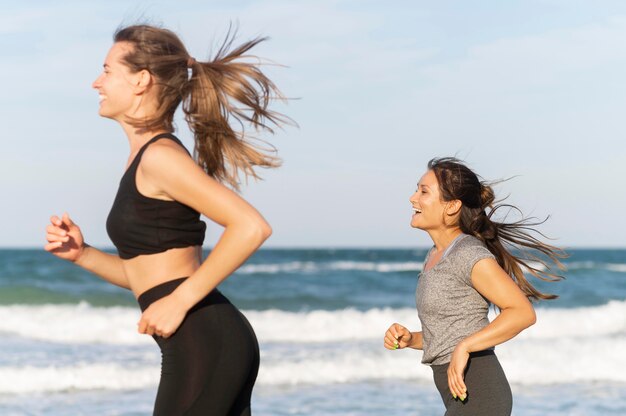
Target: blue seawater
69 345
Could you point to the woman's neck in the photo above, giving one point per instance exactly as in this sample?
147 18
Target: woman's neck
138 137
442 238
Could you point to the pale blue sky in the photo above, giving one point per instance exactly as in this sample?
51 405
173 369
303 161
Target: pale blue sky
532 89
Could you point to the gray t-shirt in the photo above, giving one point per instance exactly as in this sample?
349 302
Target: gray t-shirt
448 306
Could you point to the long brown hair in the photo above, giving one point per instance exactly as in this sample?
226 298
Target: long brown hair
458 182
230 87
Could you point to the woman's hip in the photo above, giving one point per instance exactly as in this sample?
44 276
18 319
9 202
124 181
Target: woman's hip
166 288
488 390
213 320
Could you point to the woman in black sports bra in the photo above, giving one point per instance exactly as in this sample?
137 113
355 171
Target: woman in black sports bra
210 353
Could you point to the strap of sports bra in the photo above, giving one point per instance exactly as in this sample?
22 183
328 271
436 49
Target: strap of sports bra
157 137
161 136
137 159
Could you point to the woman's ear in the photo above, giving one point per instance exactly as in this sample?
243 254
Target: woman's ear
453 207
142 81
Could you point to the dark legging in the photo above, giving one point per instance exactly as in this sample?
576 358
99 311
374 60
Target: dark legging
488 391
209 365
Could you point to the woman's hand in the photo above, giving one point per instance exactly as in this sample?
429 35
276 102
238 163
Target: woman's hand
397 337
460 356
65 239
162 317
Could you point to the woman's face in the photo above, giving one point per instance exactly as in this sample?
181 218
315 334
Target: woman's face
117 85
428 208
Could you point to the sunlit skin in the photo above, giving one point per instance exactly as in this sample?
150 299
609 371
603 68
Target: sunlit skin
122 94
440 220
432 214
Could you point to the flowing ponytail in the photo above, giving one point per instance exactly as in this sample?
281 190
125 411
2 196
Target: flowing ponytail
214 87
229 88
458 182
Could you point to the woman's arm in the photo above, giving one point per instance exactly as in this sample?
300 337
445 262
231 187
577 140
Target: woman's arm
516 314
244 230
107 266
417 341
65 240
516 311
398 337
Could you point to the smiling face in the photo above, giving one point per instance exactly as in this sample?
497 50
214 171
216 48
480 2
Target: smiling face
117 85
430 212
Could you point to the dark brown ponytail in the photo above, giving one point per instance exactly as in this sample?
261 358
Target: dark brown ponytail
458 182
228 89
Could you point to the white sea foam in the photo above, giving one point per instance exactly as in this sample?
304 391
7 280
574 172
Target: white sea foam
327 326
536 265
316 347
310 266
592 265
393 267
20 380
350 324
85 324
619 267
525 362
564 360
582 265
591 322
343 364
382 267
269 268
73 324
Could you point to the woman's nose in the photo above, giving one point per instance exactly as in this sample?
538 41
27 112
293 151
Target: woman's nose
96 83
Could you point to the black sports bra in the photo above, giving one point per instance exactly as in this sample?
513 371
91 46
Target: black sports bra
138 224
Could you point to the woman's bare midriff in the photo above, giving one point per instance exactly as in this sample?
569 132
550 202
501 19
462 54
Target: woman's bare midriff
146 271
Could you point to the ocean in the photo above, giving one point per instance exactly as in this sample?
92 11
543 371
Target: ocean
69 344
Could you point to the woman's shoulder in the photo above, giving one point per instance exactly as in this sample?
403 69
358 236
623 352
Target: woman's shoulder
162 153
469 251
470 245
166 164
470 241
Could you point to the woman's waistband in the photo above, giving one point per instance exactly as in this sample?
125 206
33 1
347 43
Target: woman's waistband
163 289
476 354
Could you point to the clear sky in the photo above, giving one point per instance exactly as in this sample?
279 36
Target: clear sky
534 90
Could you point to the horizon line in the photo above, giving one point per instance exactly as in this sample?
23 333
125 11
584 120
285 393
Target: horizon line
326 247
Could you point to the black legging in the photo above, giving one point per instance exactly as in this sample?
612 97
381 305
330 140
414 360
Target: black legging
488 391
209 365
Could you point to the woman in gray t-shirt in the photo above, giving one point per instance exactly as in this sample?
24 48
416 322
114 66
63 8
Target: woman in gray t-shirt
469 268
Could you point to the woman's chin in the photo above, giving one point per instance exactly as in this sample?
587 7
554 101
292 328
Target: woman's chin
106 115
416 224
